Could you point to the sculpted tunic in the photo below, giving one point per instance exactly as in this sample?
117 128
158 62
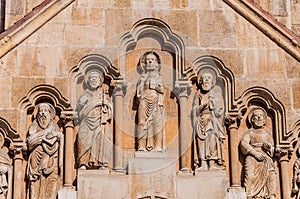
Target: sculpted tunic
208 114
150 109
94 139
260 176
45 160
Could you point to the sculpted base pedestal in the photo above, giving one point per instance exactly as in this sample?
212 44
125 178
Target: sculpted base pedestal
206 184
101 184
152 176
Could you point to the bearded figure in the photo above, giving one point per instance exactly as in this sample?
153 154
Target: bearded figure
208 122
94 137
258 147
45 144
149 92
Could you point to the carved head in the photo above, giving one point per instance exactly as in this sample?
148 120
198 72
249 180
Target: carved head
94 79
207 79
151 61
44 114
258 117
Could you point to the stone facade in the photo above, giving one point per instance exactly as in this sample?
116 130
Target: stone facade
251 47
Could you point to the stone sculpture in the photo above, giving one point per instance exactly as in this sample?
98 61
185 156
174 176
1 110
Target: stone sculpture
258 147
45 144
5 168
94 138
208 122
296 175
149 92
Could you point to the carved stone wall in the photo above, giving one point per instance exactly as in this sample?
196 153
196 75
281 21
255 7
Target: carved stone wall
50 65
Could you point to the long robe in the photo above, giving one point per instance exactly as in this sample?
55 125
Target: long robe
45 161
94 139
208 114
150 110
260 176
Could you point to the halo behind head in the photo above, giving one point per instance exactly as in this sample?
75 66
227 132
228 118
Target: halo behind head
207 70
251 112
142 62
93 71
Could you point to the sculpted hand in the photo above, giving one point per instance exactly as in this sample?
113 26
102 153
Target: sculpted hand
267 146
259 156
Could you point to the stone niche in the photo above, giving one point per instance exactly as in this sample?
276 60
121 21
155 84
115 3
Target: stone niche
144 172
152 126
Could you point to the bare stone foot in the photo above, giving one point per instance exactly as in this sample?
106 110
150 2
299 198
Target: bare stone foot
82 167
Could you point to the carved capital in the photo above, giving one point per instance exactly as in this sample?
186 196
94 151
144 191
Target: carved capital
284 153
119 88
182 89
233 120
68 118
18 149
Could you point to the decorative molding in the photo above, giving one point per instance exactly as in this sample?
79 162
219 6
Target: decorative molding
8 132
262 97
30 23
268 25
160 31
95 61
44 92
222 73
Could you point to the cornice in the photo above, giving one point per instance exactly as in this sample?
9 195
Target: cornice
30 23
268 25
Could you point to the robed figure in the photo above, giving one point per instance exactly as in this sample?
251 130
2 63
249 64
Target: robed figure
208 122
258 147
149 92
94 137
45 144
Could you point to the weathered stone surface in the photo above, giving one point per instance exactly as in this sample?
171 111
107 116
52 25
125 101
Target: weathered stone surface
156 175
212 184
94 184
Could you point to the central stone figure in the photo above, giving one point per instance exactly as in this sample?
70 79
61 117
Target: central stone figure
149 92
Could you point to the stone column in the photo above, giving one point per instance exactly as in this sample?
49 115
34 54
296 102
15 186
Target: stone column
233 122
183 90
235 190
17 149
118 94
285 179
68 121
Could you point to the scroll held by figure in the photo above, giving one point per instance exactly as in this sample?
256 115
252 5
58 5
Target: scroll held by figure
94 137
258 147
5 170
150 95
45 144
208 122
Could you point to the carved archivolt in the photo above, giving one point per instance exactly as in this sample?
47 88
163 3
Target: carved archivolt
160 31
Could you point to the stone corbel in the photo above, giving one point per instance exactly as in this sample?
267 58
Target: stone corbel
68 118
